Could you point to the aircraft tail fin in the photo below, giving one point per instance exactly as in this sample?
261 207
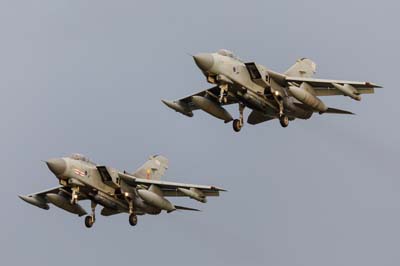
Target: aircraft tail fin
303 67
153 169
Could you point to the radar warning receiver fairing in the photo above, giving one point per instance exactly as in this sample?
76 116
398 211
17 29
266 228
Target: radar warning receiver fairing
138 193
284 96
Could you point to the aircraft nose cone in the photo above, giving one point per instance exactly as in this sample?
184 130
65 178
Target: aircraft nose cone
56 166
204 61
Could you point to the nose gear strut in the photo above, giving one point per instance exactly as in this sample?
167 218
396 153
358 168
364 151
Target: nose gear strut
223 92
74 196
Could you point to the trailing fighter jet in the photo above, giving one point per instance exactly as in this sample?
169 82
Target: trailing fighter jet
139 193
293 94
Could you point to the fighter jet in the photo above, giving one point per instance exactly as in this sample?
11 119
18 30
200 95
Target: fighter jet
293 94
138 193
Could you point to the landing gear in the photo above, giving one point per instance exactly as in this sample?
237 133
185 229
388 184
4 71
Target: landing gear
284 120
238 123
90 219
74 196
132 215
133 219
223 90
279 100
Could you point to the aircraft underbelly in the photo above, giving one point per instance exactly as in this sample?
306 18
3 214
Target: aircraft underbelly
120 205
253 106
256 102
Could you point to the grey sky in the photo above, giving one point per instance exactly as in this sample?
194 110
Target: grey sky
88 76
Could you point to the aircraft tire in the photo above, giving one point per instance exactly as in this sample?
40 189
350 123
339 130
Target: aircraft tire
89 221
284 120
237 126
133 219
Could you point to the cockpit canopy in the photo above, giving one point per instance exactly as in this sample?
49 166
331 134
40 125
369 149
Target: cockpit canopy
227 53
79 157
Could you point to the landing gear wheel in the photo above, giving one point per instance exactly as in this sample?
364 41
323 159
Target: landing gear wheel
133 219
237 125
89 221
284 120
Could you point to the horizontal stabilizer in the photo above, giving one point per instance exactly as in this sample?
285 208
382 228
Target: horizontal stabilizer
185 208
338 111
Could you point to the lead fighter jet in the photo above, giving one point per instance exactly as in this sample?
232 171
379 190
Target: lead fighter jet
293 94
138 193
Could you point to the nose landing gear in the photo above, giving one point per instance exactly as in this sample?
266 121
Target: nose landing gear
74 196
223 91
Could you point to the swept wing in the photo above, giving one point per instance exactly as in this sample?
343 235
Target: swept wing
326 87
186 105
58 196
170 189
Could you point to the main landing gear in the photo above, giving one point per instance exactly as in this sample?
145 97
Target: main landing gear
238 123
90 219
284 120
132 215
133 219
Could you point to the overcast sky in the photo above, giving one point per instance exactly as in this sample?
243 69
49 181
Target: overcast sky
88 76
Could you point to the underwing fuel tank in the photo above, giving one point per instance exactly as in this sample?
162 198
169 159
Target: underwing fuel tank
65 204
212 108
194 194
179 107
348 90
301 94
36 201
155 200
